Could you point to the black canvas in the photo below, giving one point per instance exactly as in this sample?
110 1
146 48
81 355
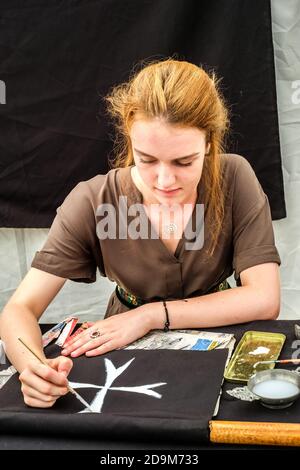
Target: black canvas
179 410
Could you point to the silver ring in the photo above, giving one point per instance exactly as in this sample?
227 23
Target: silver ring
95 334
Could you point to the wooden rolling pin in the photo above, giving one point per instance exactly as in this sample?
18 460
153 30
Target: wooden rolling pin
254 433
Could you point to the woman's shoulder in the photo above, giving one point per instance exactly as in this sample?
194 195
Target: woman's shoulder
236 170
95 184
240 182
233 162
92 189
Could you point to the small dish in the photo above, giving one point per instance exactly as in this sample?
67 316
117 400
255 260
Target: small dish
277 388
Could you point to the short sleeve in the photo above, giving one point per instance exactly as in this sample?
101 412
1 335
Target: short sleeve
72 250
253 236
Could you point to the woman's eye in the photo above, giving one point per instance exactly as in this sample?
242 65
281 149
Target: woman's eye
184 164
176 163
146 161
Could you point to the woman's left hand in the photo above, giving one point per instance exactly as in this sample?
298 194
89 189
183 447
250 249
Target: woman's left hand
111 333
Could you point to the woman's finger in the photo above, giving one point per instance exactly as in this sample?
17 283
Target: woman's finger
36 394
71 341
48 374
85 326
92 334
41 384
61 364
81 339
110 345
35 403
90 344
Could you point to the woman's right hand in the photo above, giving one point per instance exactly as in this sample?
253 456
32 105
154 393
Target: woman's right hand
43 385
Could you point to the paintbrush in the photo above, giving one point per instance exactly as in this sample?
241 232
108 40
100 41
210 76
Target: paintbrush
79 397
281 361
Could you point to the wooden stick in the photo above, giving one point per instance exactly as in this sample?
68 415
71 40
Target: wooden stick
255 433
79 397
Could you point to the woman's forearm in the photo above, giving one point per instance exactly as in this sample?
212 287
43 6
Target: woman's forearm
18 321
236 305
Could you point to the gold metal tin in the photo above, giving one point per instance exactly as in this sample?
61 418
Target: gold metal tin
241 365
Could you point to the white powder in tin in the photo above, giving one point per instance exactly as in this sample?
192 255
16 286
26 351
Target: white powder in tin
260 350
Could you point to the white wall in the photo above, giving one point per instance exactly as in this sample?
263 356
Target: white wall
286 39
88 301
17 248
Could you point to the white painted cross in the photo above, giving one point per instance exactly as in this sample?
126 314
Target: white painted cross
112 374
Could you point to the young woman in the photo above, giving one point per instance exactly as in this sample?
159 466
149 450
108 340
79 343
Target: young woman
169 224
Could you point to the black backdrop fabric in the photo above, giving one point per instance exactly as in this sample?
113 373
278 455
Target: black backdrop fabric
188 383
58 58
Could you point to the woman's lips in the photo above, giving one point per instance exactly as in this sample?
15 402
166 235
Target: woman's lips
168 192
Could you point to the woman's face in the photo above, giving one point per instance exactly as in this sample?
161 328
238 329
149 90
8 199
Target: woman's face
169 159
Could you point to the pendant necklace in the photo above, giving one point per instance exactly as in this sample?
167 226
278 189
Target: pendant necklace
171 228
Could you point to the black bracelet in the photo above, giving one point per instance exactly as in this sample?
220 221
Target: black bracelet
167 322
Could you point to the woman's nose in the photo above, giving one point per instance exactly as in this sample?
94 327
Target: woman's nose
165 178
